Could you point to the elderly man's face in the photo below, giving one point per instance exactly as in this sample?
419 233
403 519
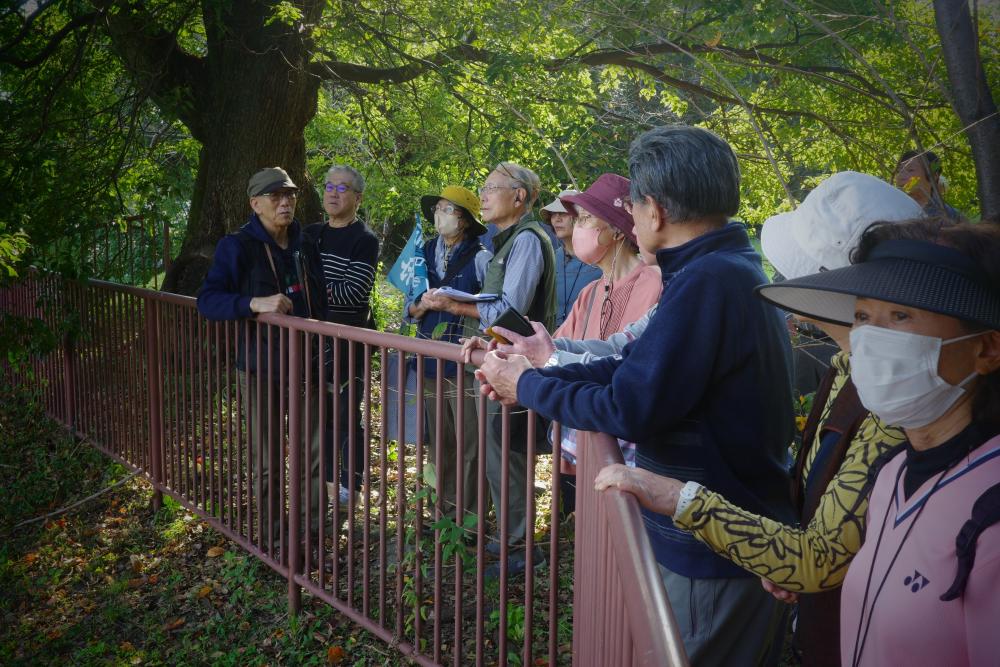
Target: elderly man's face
500 197
275 209
339 204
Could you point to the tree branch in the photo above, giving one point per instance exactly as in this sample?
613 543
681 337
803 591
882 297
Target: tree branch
171 77
50 47
333 69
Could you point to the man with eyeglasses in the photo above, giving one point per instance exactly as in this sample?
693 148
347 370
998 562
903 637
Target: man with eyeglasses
261 269
348 255
522 274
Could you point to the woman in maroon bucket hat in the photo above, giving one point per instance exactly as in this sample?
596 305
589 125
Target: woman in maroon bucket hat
627 288
603 237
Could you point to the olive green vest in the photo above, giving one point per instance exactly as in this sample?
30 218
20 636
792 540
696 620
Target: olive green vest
543 304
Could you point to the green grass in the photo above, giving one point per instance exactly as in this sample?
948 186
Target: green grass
112 583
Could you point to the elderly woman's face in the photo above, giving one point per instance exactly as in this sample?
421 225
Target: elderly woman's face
562 225
957 360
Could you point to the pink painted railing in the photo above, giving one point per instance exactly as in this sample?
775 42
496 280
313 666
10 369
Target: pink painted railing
152 384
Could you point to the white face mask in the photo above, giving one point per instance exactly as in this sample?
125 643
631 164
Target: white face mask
895 373
446 225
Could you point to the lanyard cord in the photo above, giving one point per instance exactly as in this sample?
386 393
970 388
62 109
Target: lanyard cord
567 292
859 637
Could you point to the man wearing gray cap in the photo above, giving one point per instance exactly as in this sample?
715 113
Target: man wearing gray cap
260 269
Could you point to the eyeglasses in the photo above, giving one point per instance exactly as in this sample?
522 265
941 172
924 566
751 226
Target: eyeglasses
447 209
493 187
586 220
276 197
340 187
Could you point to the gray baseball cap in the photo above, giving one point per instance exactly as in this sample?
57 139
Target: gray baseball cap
269 180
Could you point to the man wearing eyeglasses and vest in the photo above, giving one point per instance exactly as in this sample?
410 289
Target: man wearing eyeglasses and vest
261 269
522 274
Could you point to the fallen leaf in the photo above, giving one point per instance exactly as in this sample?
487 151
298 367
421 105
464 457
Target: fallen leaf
335 655
153 578
215 552
204 591
31 558
174 624
126 646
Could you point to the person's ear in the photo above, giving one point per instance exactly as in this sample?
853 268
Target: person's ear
988 359
255 204
657 216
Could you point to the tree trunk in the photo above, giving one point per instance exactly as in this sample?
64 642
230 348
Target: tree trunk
972 98
253 100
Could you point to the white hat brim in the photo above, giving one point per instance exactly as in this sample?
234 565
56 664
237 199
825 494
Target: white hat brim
777 240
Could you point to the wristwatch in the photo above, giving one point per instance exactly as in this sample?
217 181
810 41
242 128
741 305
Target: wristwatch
686 496
553 360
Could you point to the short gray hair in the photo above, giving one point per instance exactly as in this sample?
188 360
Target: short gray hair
358 181
691 172
524 176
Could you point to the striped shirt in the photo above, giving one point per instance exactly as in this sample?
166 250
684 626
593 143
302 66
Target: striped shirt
348 256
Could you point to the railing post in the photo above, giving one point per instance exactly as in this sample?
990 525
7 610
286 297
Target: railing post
152 313
295 465
69 382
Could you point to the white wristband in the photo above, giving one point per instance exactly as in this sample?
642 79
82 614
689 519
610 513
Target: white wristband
553 360
686 497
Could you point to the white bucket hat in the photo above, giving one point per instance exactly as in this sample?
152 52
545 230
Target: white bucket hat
821 233
556 206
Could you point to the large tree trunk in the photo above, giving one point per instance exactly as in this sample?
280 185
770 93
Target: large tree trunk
971 98
247 99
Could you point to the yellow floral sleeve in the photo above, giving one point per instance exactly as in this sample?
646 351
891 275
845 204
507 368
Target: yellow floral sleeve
809 559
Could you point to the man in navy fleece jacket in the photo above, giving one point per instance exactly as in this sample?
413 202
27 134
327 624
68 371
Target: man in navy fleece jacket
254 271
705 392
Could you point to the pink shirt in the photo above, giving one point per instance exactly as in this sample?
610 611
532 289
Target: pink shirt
907 623
630 299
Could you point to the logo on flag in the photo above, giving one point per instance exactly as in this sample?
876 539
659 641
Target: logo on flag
409 273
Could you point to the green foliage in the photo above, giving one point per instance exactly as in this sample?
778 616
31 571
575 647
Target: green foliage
561 87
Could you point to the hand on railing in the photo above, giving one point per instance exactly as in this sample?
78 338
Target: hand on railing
475 343
654 492
499 374
537 348
778 592
276 303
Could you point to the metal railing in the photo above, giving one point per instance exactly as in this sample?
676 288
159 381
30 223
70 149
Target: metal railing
621 615
182 400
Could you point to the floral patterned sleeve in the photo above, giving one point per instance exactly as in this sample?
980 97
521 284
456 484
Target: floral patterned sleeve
809 559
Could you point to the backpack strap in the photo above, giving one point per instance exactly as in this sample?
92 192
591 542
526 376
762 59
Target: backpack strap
820 398
985 513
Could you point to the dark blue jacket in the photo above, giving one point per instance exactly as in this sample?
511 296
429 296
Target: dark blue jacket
241 270
462 277
705 392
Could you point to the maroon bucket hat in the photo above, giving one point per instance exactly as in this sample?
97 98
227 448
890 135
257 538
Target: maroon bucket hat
606 199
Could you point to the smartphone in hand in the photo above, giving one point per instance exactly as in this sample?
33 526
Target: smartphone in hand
513 320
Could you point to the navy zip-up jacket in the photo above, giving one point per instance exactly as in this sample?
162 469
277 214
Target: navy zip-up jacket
241 271
705 392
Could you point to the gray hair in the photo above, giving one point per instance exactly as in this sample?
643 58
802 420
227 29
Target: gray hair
525 177
357 180
689 171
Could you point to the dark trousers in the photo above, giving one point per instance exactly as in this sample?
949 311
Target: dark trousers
349 412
